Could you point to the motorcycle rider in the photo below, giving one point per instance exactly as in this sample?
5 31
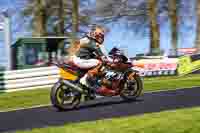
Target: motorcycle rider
87 52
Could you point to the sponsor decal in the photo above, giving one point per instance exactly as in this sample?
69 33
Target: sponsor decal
188 64
187 50
168 66
156 67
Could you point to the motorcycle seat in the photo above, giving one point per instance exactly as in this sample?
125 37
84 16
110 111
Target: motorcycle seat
74 67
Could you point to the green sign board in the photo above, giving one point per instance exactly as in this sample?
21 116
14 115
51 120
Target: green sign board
188 64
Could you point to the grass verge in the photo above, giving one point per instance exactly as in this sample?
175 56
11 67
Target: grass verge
177 121
168 83
25 99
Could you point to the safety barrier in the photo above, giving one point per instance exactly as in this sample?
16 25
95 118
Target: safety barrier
28 78
46 76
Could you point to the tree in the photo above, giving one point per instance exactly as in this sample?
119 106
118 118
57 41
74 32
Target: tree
75 18
137 15
37 9
108 11
197 43
61 18
154 27
60 27
173 15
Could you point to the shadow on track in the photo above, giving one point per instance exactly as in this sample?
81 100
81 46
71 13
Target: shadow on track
104 103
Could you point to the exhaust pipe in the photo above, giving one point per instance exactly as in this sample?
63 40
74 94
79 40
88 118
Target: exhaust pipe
75 87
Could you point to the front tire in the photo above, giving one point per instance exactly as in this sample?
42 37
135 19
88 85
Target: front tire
132 88
63 97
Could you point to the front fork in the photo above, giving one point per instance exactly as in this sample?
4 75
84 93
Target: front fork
88 94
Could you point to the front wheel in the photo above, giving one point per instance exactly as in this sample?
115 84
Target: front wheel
63 97
132 87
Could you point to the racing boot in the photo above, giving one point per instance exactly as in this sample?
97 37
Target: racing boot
84 81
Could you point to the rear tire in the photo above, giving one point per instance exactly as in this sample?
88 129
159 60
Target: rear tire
60 95
132 92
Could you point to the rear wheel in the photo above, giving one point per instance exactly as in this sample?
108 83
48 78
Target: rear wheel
63 97
133 87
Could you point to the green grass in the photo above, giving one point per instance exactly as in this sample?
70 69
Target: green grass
24 99
178 121
174 82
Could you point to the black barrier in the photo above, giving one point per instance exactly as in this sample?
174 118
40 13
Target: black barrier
2 81
159 73
195 57
196 72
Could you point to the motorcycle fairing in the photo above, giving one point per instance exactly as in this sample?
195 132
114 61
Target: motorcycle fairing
67 75
68 72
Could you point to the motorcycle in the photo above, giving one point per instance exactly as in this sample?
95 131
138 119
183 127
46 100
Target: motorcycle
116 79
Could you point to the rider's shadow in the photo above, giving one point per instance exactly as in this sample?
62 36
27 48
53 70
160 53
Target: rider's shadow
103 103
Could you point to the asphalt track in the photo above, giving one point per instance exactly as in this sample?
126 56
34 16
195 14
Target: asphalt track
99 109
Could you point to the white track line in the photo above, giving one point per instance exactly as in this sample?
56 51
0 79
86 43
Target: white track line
167 90
27 88
33 107
46 105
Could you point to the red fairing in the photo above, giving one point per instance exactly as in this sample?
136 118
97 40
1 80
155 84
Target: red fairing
120 66
106 92
110 91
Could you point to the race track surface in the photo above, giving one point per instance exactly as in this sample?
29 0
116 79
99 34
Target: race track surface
99 109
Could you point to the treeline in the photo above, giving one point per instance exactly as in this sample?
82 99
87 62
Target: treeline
69 17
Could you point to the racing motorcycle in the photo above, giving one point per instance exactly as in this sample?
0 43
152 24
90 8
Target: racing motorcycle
116 79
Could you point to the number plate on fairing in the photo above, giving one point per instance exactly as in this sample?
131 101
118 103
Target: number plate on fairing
111 75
